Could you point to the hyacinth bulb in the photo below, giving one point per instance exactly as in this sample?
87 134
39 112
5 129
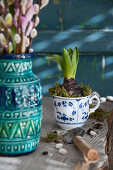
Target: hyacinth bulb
44 3
8 20
3 41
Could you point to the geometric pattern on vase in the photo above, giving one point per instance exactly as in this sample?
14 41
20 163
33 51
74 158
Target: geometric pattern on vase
28 96
16 80
20 129
20 114
14 148
15 67
20 106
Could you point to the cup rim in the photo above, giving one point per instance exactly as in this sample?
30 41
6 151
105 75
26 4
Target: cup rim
70 98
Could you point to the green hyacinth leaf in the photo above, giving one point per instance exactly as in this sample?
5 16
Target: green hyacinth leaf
66 65
70 51
75 60
55 58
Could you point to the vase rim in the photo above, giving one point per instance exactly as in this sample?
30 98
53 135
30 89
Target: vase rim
17 56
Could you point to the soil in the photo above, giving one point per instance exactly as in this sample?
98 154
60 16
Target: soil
62 91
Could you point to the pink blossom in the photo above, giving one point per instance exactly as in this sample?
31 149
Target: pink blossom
31 24
29 4
24 23
30 13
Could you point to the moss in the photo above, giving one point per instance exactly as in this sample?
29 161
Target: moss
85 90
100 114
51 137
59 90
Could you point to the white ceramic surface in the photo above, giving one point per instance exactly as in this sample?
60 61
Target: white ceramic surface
73 112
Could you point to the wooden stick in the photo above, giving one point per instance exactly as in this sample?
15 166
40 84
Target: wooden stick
88 151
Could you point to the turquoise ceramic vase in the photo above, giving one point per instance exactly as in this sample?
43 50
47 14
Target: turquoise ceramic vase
20 105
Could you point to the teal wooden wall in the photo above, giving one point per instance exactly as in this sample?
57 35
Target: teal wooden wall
86 23
66 23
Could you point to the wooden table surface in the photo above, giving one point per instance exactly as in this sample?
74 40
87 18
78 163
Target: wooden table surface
54 160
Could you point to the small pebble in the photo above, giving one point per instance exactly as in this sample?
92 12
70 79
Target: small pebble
45 153
110 98
102 99
63 151
92 133
59 145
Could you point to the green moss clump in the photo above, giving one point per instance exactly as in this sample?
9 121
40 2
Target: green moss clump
59 90
51 137
100 114
85 90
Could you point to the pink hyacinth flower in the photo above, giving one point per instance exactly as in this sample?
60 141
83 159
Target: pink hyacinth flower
31 24
30 13
24 23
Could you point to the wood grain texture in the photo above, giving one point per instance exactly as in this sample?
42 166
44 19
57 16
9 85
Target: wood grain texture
54 160
109 145
87 41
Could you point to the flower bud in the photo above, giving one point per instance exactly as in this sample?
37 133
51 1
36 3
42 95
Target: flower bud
17 38
27 42
37 20
8 20
3 40
36 9
30 13
31 50
44 3
31 24
10 47
33 33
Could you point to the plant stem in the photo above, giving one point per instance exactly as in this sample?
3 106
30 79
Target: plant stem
35 16
18 28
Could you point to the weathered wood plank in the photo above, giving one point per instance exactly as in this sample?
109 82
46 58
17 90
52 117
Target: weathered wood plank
54 160
87 41
109 145
77 15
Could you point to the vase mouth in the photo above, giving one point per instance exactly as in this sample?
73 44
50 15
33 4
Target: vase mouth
17 56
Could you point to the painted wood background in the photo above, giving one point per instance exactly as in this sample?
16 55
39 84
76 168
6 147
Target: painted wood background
66 23
86 23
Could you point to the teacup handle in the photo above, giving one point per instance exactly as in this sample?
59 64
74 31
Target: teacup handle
97 105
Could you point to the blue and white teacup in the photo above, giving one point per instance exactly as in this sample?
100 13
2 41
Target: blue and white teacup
73 112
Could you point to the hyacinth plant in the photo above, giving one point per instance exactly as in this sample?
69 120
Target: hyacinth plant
68 63
18 21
